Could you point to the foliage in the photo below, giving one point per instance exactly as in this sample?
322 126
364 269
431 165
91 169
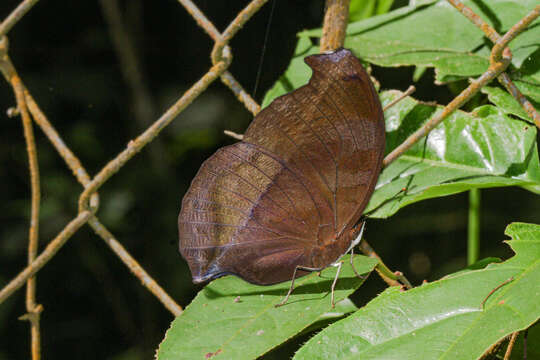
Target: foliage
494 145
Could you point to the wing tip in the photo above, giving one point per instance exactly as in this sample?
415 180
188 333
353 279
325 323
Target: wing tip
335 56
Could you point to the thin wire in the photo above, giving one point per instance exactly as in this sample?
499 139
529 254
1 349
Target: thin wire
261 60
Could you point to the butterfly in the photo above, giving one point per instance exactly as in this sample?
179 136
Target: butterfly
288 198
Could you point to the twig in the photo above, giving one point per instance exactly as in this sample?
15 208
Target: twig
335 24
476 20
240 93
233 135
33 309
523 101
495 37
391 278
47 254
16 15
510 345
407 92
514 31
134 266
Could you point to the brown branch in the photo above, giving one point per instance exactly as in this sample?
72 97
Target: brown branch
514 31
16 15
495 289
233 135
407 92
33 309
240 93
503 78
336 16
511 345
391 278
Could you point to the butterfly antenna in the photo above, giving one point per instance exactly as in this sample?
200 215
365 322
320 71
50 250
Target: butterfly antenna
257 78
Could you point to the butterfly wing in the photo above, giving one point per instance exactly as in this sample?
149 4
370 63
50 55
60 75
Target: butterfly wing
288 192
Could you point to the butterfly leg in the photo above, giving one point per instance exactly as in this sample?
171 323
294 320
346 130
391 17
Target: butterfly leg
353 268
298 267
338 264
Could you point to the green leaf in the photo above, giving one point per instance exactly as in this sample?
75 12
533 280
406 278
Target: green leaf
457 317
484 149
434 33
505 102
363 9
238 320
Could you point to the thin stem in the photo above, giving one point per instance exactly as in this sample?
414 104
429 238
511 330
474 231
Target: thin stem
32 308
473 238
495 37
334 28
233 135
16 15
510 345
391 278
407 92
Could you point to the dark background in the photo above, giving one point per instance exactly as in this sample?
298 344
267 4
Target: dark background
94 307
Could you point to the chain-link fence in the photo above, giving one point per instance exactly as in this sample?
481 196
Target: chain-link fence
29 111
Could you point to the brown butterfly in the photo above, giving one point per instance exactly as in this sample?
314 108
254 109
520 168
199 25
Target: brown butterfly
288 198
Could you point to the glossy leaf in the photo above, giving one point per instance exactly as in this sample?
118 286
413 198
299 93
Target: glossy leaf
238 320
480 150
457 317
506 102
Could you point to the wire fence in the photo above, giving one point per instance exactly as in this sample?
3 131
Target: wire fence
335 21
